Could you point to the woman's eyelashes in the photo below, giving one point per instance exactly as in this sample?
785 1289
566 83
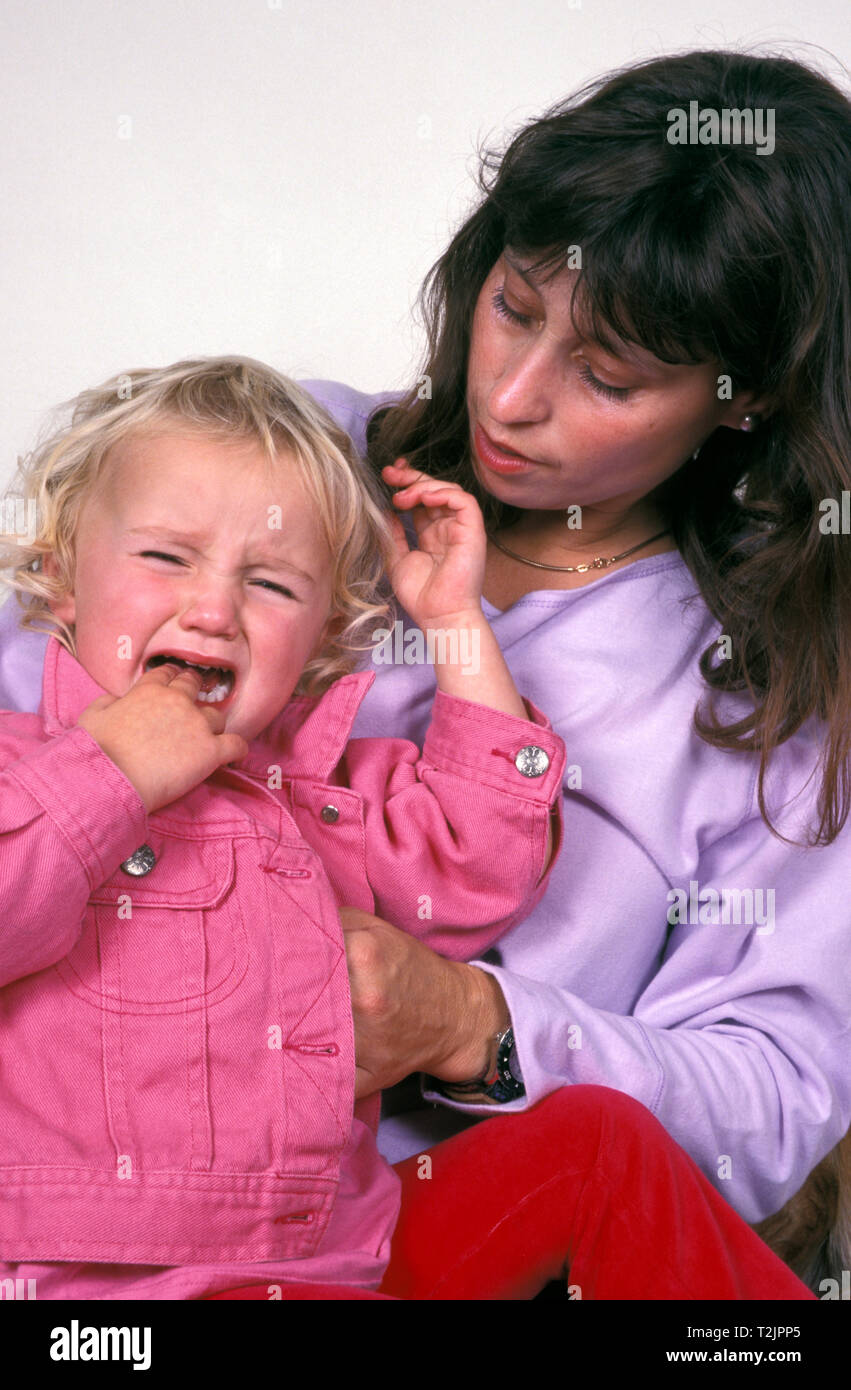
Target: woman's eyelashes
262 583
505 309
612 393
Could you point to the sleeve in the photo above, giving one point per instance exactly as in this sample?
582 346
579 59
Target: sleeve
350 408
740 1043
455 838
21 659
68 818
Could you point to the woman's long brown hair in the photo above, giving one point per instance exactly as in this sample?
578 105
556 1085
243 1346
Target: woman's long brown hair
699 253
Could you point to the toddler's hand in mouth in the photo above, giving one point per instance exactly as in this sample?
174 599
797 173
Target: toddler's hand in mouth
217 681
157 734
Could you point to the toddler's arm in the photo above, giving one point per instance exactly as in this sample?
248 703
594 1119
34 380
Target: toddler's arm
68 819
456 838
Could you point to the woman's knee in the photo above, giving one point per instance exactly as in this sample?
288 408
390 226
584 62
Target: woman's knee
597 1107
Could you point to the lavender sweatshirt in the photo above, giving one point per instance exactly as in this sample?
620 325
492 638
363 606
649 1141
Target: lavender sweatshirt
682 953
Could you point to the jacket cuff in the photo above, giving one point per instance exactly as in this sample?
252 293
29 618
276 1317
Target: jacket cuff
96 808
487 745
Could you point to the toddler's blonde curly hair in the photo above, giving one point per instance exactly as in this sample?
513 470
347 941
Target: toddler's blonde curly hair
234 398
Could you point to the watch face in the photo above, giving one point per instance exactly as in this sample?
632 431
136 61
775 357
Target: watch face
508 1063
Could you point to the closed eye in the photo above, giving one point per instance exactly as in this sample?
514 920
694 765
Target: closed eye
612 393
503 308
161 555
264 583
278 588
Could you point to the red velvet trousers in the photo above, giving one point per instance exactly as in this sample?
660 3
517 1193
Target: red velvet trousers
585 1187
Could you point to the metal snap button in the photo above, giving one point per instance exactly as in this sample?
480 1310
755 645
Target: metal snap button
329 814
532 761
141 861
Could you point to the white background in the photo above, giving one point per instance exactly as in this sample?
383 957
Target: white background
273 177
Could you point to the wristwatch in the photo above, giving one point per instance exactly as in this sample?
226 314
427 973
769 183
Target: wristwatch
502 1083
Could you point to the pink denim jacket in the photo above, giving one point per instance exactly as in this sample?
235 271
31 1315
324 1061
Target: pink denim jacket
177 1043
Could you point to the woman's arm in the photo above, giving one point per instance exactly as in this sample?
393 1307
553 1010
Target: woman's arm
740 1043
413 1009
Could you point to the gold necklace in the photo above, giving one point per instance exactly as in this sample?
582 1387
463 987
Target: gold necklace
598 563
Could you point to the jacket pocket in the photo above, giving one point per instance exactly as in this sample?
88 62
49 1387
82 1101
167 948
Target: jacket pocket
169 941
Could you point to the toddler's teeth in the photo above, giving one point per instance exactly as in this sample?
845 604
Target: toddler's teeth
211 697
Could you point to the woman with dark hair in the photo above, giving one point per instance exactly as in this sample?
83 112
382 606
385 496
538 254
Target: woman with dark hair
657 337
638 362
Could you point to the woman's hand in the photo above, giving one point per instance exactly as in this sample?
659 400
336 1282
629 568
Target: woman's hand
440 585
443 579
413 1009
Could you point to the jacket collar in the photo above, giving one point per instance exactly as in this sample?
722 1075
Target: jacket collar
307 739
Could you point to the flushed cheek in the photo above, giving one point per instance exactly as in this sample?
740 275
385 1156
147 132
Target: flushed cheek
112 638
127 633
274 664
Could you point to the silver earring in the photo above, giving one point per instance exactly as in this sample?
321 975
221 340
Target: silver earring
697 451
750 423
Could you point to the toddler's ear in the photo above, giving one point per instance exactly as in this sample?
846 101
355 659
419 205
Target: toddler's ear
63 608
334 624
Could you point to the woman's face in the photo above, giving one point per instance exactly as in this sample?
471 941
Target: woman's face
591 429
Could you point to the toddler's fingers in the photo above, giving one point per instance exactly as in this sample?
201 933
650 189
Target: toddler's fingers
183 673
216 718
232 748
169 673
102 702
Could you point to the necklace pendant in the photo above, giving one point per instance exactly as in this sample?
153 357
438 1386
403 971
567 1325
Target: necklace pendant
600 564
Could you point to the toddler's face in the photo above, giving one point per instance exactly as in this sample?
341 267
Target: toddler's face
177 555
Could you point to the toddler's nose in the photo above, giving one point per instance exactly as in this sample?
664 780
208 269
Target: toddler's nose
214 610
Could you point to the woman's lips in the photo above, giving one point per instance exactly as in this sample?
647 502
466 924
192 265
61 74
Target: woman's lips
494 457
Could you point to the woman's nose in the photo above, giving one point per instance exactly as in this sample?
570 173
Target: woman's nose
523 390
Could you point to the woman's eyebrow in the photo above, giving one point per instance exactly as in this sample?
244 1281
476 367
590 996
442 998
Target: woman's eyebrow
524 274
639 358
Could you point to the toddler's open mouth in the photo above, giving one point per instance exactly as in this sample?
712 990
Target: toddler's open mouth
218 681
